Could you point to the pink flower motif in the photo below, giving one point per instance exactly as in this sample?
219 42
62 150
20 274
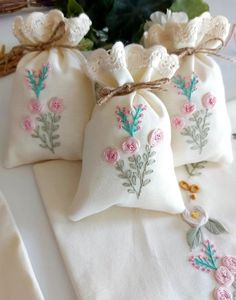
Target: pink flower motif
178 122
111 155
35 106
187 84
155 137
230 263
224 276
56 105
28 124
208 100
222 293
130 145
188 108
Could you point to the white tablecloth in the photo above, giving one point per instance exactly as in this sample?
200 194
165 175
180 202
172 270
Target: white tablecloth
24 200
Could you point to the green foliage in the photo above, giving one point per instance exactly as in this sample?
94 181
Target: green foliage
193 8
123 20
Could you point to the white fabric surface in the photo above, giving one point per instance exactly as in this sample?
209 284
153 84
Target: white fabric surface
22 193
17 279
152 183
132 253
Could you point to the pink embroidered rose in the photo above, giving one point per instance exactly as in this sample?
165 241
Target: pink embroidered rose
28 124
56 105
195 216
208 100
130 145
35 106
222 293
230 263
223 276
188 108
111 155
178 122
155 137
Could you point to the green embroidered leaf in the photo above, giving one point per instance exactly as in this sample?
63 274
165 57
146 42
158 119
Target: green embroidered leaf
128 173
193 8
215 227
132 166
134 179
146 181
57 144
131 159
140 165
148 172
151 161
144 156
153 153
125 184
194 237
131 191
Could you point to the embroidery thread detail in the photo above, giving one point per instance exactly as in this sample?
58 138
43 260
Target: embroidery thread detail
46 121
135 176
194 168
197 132
198 219
130 120
36 79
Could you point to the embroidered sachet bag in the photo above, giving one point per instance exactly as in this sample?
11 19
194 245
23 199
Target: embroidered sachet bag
195 98
52 97
127 158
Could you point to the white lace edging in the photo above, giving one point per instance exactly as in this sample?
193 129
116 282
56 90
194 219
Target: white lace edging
131 58
189 34
38 27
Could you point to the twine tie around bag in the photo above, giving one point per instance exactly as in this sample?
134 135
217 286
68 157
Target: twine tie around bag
203 49
9 61
105 94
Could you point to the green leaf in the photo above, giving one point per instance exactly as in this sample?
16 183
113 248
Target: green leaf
193 8
86 44
131 191
215 227
73 8
125 184
194 237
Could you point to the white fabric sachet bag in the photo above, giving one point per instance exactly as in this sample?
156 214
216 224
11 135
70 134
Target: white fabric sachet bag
195 98
127 158
52 97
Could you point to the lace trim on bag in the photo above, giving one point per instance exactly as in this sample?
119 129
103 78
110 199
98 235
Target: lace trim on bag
132 57
189 34
37 28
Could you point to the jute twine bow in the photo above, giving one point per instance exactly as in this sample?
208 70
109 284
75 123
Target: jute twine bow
105 94
9 61
202 48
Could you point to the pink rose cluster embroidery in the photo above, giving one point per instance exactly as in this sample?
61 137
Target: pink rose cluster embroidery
43 124
197 132
135 177
207 261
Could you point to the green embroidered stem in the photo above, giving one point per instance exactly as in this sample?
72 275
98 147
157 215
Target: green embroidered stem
130 126
193 169
136 175
198 132
128 175
186 88
36 83
46 131
210 261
